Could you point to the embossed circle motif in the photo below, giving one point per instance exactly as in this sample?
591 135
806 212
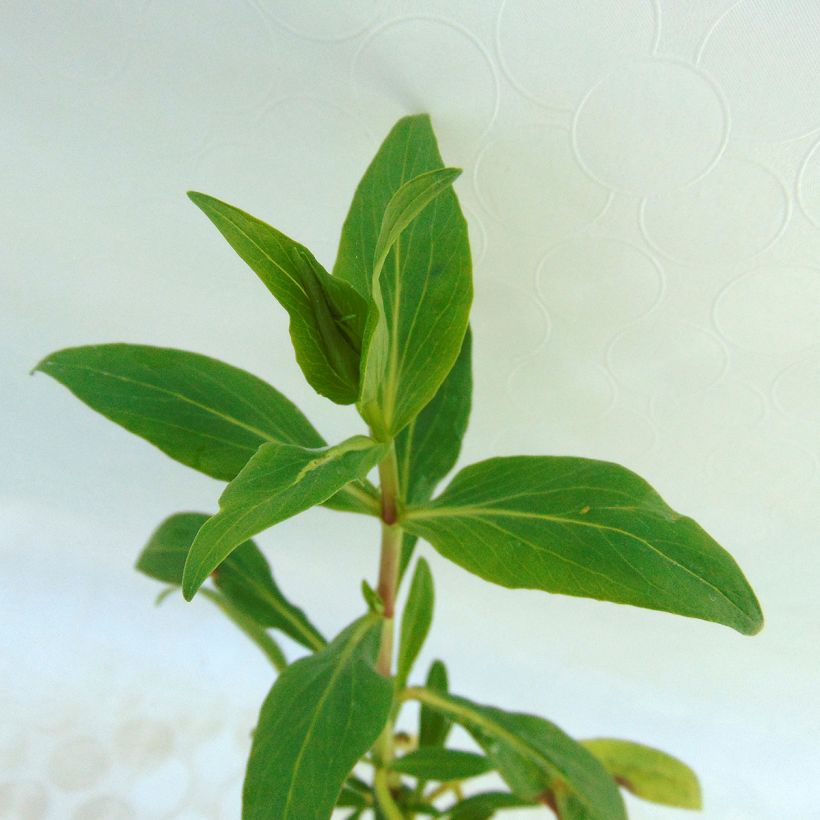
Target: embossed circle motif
796 390
458 88
667 357
531 182
594 286
539 41
736 211
23 800
650 127
77 764
323 21
808 185
771 310
766 58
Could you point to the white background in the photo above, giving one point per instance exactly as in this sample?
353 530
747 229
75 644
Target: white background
642 183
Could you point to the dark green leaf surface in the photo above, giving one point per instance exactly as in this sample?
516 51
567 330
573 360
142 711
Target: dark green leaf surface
244 577
533 755
322 714
425 285
415 620
280 481
434 726
199 411
326 315
435 763
582 527
484 806
648 773
428 447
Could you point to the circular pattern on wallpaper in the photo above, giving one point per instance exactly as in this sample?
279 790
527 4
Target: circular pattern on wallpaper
808 185
458 88
537 42
323 21
772 309
530 181
737 210
765 58
650 126
796 390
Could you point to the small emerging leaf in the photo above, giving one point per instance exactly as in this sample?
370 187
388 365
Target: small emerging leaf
415 621
280 481
434 726
433 763
648 773
533 756
326 315
322 714
582 527
484 806
244 577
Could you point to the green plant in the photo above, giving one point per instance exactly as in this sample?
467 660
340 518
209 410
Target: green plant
388 330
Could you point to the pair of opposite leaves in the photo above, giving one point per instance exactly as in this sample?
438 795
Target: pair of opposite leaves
567 525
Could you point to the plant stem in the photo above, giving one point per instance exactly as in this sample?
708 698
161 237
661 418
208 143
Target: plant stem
387 586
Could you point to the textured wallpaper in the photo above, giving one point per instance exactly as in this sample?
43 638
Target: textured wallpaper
642 186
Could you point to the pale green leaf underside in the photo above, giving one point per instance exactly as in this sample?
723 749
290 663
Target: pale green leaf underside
648 773
415 621
280 481
322 714
244 577
199 411
588 528
326 315
425 285
533 756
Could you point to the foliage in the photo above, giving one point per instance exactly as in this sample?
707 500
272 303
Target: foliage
388 331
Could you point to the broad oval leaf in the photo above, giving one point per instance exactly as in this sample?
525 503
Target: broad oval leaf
435 763
588 528
322 714
244 577
199 411
428 447
484 806
415 620
534 756
280 481
424 287
326 315
434 726
648 773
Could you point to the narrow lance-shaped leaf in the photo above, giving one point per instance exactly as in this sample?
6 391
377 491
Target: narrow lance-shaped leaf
534 756
322 714
648 773
280 481
582 527
199 411
424 288
435 763
484 806
434 726
326 315
415 621
428 447
244 578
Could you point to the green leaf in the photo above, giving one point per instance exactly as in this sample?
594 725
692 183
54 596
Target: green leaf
434 726
280 481
648 773
484 806
587 528
244 577
415 621
424 288
326 315
533 755
322 714
432 763
201 412
428 447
